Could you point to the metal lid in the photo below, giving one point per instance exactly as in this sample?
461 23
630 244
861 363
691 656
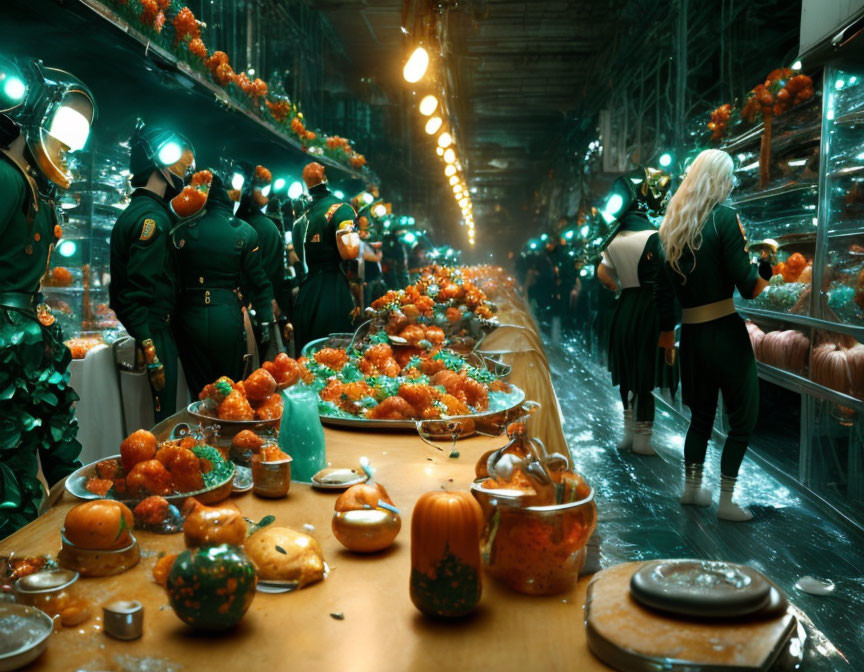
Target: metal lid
46 581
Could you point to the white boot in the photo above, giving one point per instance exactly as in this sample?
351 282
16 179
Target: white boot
626 443
642 438
694 493
729 510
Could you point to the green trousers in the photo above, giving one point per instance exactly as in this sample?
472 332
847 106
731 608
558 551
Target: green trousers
324 306
165 401
717 357
211 340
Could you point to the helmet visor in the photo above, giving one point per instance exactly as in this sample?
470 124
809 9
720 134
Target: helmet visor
70 122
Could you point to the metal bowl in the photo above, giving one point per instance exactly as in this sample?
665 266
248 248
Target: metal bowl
26 632
204 413
215 493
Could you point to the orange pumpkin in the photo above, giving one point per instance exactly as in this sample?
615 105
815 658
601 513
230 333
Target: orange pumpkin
362 496
445 554
101 525
829 367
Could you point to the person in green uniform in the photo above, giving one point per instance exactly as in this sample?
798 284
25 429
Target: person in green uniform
216 255
143 286
705 260
631 261
255 195
44 115
325 304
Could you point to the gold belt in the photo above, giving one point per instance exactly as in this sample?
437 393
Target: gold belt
708 312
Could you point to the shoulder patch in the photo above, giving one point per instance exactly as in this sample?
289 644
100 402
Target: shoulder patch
332 211
147 229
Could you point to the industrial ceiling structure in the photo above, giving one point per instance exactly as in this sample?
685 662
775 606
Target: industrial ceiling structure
524 83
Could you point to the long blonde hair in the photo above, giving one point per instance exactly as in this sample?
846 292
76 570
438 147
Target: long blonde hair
707 183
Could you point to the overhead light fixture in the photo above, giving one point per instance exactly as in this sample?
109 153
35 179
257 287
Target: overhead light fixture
665 160
439 151
450 170
279 184
445 140
433 125
428 105
415 66
454 179
449 155
295 190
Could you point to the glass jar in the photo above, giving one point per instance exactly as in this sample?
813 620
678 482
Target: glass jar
537 550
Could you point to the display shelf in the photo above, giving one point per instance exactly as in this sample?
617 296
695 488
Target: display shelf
796 383
768 194
802 320
221 95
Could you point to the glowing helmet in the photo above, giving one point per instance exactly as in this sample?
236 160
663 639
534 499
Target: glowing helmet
166 151
54 110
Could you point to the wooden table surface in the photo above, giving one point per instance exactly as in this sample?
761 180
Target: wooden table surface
381 630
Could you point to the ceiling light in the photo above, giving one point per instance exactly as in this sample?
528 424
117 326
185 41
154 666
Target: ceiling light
439 151
449 155
450 170
415 66
428 105
433 125
279 184
454 179
445 140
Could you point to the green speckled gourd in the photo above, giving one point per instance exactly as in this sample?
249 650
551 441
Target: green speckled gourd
445 554
210 588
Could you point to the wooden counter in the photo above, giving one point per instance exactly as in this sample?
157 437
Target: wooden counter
381 630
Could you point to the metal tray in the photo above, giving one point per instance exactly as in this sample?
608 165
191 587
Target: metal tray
511 412
77 480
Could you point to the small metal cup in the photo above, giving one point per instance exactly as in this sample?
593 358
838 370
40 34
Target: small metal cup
271 479
123 619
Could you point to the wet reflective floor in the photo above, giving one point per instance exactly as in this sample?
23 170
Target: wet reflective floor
640 518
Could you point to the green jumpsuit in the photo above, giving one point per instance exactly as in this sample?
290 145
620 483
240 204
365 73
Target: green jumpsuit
716 356
642 310
217 254
324 303
37 424
272 244
143 285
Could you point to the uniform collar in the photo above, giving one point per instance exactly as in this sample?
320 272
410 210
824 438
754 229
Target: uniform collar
319 191
140 192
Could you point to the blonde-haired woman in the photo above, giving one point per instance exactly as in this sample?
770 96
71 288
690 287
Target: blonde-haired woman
706 259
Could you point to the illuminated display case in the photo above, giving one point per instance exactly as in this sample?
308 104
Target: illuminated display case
810 344
76 286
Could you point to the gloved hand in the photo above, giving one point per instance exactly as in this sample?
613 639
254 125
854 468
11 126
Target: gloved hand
270 340
667 343
155 369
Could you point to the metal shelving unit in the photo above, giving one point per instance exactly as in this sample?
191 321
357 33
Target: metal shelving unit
820 216
221 96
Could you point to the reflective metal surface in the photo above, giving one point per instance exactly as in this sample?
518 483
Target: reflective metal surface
640 518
